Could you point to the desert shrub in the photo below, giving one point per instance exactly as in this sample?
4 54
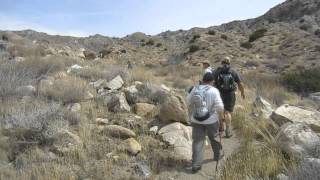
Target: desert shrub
246 45
35 120
158 44
102 71
251 63
223 36
68 90
150 42
12 77
193 48
44 66
194 38
303 81
257 34
4 38
141 74
212 32
304 27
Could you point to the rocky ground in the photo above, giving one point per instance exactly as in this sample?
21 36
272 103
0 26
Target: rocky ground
71 109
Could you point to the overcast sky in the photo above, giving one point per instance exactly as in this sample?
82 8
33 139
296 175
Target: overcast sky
122 17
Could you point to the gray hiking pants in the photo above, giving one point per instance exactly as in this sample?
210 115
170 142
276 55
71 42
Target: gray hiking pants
199 132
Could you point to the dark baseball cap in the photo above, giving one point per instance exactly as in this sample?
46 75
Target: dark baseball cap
208 77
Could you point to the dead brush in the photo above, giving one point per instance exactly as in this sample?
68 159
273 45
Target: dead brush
68 90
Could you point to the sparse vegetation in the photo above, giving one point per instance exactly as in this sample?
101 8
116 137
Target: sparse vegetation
212 32
223 36
317 32
246 45
150 42
257 34
302 80
193 48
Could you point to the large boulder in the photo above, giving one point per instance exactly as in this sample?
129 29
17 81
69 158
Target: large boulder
66 142
293 114
299 140
115 83
174 109
145 93
117 103
309 168
145 109
180 137
117 131
262 108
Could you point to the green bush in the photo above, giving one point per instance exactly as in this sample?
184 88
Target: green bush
150 42
194 38
193 48
158 44
246 45
257 34
225 37
303 80
212 32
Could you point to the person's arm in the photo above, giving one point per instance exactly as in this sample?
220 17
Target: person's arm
241 88
219 108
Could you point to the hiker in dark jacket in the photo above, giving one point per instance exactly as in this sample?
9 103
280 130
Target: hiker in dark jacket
226 80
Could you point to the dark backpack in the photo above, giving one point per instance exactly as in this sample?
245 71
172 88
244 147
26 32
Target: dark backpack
225 82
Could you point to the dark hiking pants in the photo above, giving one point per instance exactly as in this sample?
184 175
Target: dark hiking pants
199 132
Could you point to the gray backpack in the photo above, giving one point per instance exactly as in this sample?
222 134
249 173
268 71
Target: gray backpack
200 112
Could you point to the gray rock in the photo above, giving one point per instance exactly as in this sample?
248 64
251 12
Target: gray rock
293 114
133 146
102 121
309 169
115 83
282 177
180 136
75 107
174 109
299 140
45 84
262 108
117 103
98 84
143 170
74 68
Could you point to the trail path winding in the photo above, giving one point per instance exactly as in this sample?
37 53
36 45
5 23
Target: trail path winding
208 171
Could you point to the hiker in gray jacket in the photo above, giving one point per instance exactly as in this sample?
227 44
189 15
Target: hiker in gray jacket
206 110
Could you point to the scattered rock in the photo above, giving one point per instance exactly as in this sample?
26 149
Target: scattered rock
166 88
26 90
45 84
98 84
154 129
117 103
299 140
74 68
180 136
117 131
60 75
75 107
132 146
115 83
174 109
66 142
293 114
143 170
262 108
145 109
282 177
102 121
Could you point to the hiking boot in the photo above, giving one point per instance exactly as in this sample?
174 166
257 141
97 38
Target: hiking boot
196 169
229 133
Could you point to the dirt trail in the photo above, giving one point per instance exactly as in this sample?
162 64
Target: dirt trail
208 171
